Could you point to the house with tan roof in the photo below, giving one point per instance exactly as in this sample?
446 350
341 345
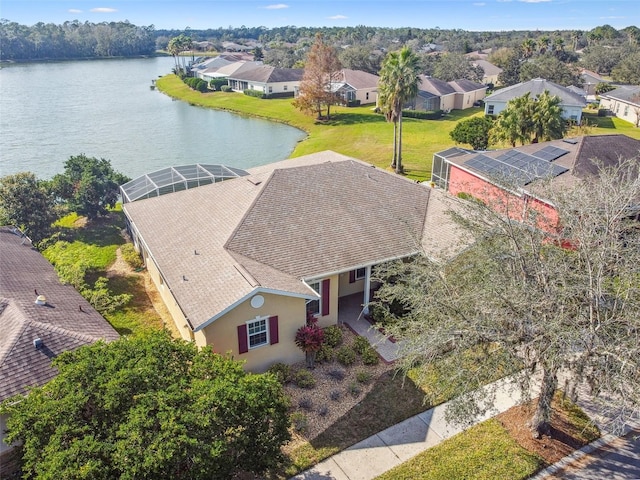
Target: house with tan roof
356 87
435 94
39 319
272 81
240 263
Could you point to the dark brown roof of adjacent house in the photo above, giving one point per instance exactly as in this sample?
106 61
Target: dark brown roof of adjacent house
66 321
435 86
463 85
603 150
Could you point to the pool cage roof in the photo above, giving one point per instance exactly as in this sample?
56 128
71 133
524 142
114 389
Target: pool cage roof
174 179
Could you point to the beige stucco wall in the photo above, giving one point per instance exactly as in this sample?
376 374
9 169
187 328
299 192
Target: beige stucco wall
345 288
362 95
466 100
448 102
222 334
620 109
168 299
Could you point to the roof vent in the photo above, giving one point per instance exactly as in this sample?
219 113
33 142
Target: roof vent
41 300
37 342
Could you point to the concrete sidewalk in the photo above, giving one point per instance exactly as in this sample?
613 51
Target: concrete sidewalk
397 444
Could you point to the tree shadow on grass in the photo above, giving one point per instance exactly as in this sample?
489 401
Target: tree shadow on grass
102 232
351 119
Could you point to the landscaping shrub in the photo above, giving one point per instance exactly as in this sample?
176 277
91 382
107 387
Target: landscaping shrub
337 374
335 395
433 115
325 354
306 403
304 379
355 389
254 93
361 344
363 376
226 88
333 335
370 356
299 421
218 83
323 411
129 254
346 356
282 371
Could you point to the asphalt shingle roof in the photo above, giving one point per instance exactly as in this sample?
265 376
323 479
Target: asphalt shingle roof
269 74
65 322
536 87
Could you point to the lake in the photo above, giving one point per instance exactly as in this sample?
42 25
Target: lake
106 109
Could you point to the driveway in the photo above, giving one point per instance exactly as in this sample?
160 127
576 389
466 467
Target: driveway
619 460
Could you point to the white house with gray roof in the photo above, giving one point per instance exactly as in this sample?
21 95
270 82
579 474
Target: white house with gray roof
623 102
270 80
570 102
241 263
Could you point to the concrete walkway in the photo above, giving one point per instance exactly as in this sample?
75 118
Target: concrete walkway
397 444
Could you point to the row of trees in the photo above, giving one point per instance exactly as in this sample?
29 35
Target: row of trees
74 40
88 186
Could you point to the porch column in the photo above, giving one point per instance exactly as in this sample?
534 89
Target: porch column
367 289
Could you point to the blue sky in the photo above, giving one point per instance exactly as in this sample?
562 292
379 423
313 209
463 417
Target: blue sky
446 14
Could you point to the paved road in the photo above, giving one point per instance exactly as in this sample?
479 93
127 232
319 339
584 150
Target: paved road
619 460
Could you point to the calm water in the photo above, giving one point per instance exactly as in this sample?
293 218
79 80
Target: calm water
106 109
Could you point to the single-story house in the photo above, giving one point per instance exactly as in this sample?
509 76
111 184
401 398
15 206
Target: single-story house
356 86
268 79
570 102
39 319
489 174
221 66
623 102
491 71
435 94
589 82
240 263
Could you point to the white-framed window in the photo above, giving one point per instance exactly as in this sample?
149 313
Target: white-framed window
285 88
367 96
270 89
489 109
360 273
313 306
258 332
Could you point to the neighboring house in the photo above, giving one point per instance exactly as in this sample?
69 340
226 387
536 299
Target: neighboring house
590 81
570 102
222 66
515 171
356 86
491 71
39 319
240 263
272 81
623 102
435 94
578 91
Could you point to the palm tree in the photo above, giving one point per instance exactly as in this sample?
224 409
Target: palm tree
399 79
548 123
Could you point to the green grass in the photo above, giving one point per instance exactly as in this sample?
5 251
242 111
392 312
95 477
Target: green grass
357 132
483 452
360 133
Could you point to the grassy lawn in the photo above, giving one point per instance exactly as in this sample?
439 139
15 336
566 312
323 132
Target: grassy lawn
360 133
93 246
485 451
357 131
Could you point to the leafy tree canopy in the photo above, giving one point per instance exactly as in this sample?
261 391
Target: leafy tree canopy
28 204
474 131
550 68
552 295
89 185
454 66
149 407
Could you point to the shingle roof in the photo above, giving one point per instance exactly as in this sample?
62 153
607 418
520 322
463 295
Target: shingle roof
489 68
65 322
292 220
626 93
435 86
463 85
536 87
269 74
607 149
358 79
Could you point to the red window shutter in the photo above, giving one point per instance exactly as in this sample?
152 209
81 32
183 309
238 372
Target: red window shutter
352 276
326 291
243 340
273 330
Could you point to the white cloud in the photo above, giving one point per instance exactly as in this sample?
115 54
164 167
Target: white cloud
277 6
338 17
103 10
74 10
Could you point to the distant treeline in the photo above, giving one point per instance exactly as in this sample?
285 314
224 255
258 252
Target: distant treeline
70 40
